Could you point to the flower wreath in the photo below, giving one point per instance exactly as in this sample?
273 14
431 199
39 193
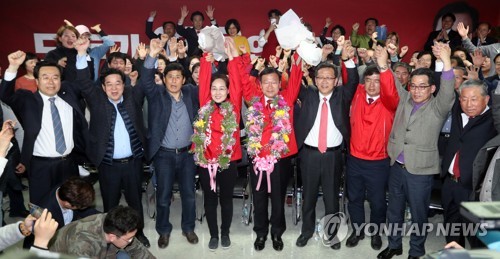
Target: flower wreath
203 134
279 138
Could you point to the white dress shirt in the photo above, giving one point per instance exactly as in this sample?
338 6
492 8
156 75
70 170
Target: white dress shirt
45 143
334 137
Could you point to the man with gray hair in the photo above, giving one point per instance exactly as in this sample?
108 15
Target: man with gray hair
472 126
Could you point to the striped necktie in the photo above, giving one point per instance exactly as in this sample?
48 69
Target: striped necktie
58 131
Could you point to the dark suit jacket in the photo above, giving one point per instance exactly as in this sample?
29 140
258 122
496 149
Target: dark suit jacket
482 162
468 140
28 108
160 107
340 101
488 41
191 37
455 39
101 112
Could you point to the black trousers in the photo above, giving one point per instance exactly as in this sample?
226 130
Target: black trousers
44 174
126 176
279 181
452 194
317 169
225 181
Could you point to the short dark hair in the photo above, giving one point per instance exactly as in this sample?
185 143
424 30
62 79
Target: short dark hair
220 76
121 220
273 11
78 192
458 7
111 71
371 70
268 71
326 65
424 72
401 64
195 13
116 55
174 66
451 15
196 65
168 22
30 56
371 19
46 63
232 21
460 62
495 58
338 26
433 58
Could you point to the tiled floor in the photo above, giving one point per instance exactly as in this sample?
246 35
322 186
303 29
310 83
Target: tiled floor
242 238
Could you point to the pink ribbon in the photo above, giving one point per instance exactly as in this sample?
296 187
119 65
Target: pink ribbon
264 164
212 171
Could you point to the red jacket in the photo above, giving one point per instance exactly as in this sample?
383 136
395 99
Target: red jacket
251 89
371 124
213 149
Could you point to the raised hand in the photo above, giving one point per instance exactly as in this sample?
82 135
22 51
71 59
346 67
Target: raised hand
362 53
68 23
44 230
341 42
279 50
355 27
404 50
154 48
478 58
152 14
232 46
96 28
445 54
210 57
16 59
328 22
374 36
272 61
462 30
141 50
172 45
114 48
243 49
436 49
282 65
5 136
181 48
163 39
260 64
210 12
184 12
81 46
381 56
392 49
472 73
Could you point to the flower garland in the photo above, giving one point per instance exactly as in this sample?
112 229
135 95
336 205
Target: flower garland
277 144
203 134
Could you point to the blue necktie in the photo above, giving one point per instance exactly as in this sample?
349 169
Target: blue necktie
58 131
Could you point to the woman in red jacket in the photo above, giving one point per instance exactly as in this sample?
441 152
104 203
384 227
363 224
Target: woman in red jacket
216 140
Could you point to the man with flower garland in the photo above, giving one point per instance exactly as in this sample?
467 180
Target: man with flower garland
271 143
323 130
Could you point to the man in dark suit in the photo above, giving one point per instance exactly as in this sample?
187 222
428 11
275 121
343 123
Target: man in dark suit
55 129
169 140
446 34
191 33
321 161
471 127
117 136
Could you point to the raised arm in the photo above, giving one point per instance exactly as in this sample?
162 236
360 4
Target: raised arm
388 92
294 81
147 80
84 85
233 68
446 95
16 59
205 78
149 26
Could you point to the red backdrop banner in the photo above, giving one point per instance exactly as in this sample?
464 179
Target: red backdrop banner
30 25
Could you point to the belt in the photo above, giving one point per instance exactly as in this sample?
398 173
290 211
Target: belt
401 165
454 178
446 135
56 158
123 160
327 149
176 150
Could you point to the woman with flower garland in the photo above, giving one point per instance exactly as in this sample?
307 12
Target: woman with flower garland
271 143
216 140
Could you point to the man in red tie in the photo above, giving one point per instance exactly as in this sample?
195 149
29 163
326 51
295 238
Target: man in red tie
471 127
368 164
322 131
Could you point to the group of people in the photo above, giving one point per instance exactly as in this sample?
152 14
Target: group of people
187 111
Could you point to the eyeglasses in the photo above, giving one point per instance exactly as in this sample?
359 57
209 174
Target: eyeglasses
128 241
418 87
325 78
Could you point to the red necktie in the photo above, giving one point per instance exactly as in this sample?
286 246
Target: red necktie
456 167
323 124
268 104
370 100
